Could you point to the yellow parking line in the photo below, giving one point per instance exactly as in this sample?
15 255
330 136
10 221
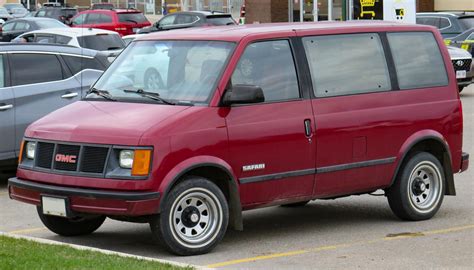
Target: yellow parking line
344 245
24 231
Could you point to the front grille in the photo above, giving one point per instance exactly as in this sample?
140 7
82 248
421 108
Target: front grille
72 158
66 157
462 64
94 159
44 155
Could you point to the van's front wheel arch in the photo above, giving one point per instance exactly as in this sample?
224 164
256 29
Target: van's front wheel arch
194 217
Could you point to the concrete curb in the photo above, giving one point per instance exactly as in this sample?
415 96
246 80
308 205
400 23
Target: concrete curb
103 251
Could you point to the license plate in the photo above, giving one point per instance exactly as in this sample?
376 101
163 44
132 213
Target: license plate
54 206
461 74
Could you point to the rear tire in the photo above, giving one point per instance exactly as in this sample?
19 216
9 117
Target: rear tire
193 219
70 226
418 191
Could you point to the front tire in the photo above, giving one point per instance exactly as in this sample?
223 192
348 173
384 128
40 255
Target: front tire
418 191
194 218
71 226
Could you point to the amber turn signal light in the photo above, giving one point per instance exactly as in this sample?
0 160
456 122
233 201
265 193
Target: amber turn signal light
141 162
20 156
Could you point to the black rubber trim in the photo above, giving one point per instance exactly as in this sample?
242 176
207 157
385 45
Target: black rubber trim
327 169
465 156
355 165
82 192
276 176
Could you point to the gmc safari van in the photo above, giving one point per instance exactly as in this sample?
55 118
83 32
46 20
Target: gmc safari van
235 118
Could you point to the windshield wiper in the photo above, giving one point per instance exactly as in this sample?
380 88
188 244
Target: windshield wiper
150 95
101 93
130 20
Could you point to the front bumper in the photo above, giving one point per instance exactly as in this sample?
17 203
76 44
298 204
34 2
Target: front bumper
464 162
83 200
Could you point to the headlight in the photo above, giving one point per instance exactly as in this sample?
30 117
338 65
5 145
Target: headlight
30 150
126 159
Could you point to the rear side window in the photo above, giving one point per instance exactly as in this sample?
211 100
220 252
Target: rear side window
347 64
101 42
418 60
221 20
269 65
444 23
132 17
22 26
93 18
35 68
62 39
433 21
77 63
104 18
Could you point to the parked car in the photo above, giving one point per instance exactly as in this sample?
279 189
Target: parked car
465 41
10 6
123 21
450 24
12 29
63 14
4 15
106 41
19 12
463 66
128 39
40 79
248 117
187 19
51 4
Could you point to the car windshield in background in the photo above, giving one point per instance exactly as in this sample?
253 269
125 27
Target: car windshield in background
467 22
179 71
19 11
221 20
44 24
132 17
101 42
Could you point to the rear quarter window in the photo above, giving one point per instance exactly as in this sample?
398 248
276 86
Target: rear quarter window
347 64
418 60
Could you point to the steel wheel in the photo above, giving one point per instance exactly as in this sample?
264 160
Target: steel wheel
153 80
424 186
196 218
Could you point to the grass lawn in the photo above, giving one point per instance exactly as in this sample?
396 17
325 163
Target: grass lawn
25 254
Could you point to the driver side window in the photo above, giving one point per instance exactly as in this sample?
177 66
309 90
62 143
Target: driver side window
270 66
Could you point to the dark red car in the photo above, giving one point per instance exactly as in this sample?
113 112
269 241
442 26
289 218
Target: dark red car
188 128
123 21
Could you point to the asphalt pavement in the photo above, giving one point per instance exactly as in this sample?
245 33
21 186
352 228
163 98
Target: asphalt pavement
348 233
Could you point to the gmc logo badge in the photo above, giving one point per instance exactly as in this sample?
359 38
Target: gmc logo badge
66 158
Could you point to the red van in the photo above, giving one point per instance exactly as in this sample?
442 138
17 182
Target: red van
188 128
123 21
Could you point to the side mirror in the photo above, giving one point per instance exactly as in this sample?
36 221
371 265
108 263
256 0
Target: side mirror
243 94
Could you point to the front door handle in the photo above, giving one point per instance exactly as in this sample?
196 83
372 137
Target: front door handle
307 128
70 95
4 107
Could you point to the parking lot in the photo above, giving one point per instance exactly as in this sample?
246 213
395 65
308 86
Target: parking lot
352 232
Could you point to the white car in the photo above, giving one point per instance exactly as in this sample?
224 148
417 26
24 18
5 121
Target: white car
89 38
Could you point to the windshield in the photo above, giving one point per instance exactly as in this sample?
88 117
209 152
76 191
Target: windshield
3 11
19 11
132 17
467 22
179 71
44 24
101 42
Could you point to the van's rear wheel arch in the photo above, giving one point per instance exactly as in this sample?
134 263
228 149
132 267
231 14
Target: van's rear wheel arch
221 177
438 148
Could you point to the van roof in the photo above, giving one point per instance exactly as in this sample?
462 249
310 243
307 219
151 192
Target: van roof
237 32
